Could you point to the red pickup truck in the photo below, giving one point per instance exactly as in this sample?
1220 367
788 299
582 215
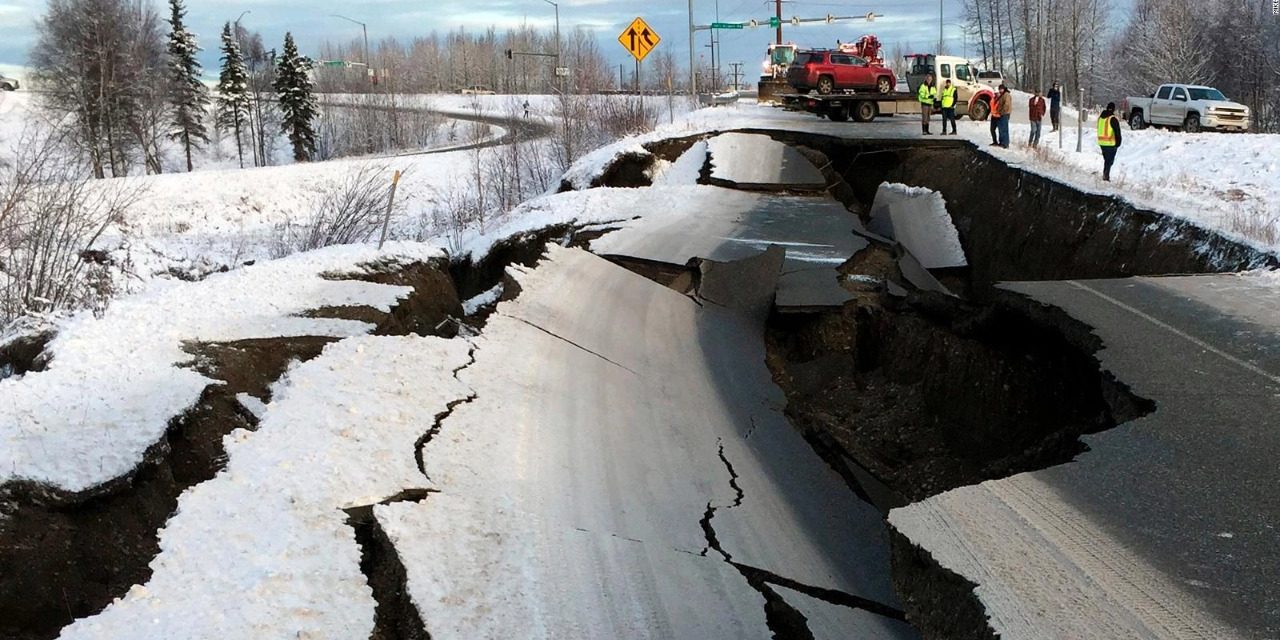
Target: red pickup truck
831 71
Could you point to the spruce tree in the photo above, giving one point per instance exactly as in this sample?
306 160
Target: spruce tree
233 89
297 104
187 94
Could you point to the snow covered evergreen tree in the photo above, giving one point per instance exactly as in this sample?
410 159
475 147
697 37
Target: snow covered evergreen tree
233 89
187 94
293 86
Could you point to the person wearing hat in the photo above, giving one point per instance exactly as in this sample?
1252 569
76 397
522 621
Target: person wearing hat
1108 138
1055 104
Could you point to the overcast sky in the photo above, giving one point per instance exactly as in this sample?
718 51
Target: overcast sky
913 22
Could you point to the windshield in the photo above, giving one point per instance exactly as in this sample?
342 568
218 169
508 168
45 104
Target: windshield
1203 93
784 56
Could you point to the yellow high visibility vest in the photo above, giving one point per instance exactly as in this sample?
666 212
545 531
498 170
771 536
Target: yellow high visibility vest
1106 134
948 97
926 94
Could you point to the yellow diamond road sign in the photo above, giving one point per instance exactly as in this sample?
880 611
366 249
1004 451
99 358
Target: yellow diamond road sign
639 39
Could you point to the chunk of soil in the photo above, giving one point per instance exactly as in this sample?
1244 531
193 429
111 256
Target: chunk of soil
425 311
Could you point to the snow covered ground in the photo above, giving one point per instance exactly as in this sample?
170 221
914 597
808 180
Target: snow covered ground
114 382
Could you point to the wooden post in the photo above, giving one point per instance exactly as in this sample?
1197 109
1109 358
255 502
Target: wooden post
386 219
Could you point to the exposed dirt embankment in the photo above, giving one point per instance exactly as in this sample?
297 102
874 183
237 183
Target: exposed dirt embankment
65 556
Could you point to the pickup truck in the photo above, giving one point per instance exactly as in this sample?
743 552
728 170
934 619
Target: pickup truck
1189 107
8 84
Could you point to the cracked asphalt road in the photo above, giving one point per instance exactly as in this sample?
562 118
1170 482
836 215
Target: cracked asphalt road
625 470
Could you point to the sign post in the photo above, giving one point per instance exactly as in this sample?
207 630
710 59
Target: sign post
639 39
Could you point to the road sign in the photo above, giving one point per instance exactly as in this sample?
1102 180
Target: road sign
774 22
639 39
726 25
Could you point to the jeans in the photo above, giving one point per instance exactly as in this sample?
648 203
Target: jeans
1035 133
949 115
1055 114
1108 159
1004 131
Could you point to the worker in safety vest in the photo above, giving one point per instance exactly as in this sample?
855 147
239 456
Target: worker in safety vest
927 95
948 107
994 101
1108 138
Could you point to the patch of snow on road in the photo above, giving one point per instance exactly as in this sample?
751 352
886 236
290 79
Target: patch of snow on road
114 382
264 549
686 170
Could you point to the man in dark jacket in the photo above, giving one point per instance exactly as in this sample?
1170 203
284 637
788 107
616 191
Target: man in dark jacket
1035 112
1005 103
1055 104
1108 138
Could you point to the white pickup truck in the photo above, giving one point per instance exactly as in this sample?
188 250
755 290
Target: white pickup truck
1189 107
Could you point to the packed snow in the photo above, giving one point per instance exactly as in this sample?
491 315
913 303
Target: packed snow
264 549
116 381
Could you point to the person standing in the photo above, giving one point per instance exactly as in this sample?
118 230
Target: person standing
927 95
1108 138
1035 112
948 107
994 100
1055 104
1006 110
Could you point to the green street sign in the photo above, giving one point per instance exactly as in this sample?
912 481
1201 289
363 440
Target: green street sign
774 22
333 63
726 25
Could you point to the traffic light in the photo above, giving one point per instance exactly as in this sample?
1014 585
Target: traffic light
509 54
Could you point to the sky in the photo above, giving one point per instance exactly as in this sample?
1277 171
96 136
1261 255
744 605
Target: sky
906 22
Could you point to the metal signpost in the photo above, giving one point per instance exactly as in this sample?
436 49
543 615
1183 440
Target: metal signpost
639 39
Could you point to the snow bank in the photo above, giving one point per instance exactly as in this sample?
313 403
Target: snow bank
686 170
114 382
263 550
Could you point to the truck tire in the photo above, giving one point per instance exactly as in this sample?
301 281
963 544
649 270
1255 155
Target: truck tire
839 114
7 87
865 111
1192 123
883 85
979 109
826 85
1136 122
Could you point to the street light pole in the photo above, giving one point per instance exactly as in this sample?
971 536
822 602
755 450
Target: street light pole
363 29
559 78
939 27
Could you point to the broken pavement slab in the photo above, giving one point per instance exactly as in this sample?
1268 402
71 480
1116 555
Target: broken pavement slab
817 233
757 162
610 404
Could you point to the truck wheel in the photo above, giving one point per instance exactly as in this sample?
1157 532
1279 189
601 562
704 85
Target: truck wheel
865 111
883 85
979 110
826 85
1136 122
838 115
1191 124
7 87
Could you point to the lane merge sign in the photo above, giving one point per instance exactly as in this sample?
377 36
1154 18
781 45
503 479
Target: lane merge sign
639 39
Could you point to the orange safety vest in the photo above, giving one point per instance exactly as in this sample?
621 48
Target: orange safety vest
1106 132
995 106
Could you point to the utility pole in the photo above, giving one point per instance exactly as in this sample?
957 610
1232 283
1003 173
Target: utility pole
693 70
737 74
939 27
778 10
